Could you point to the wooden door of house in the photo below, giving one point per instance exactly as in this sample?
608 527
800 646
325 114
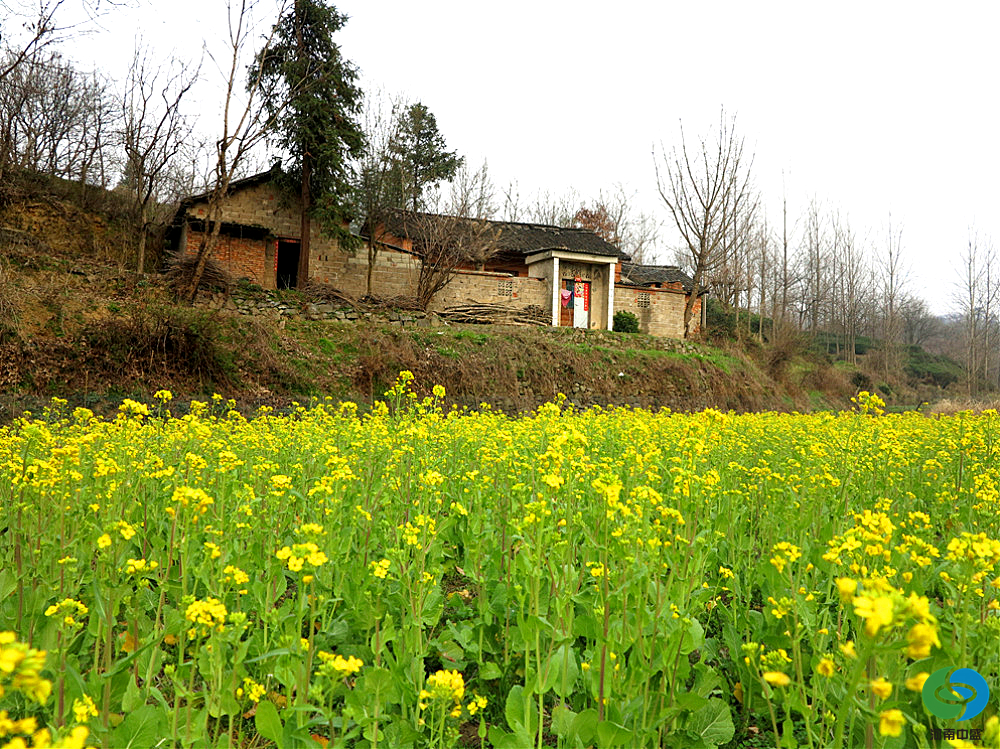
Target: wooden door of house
575 300
566 302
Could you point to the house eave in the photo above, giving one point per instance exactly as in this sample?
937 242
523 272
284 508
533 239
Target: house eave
581 257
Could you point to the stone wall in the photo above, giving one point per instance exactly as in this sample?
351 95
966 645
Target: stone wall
660 311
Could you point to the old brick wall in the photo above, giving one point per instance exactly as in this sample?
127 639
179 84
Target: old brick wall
395 273
243 258
493 288
262 205
660 311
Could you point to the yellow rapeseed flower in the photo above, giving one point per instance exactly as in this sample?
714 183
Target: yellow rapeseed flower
84 709
877 611
777 678
920 638
881 688
891 722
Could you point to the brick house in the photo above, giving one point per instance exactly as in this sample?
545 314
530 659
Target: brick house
573 274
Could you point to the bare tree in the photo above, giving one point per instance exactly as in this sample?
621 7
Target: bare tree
893 281
380 184
445 244
546 208
40 29
920 327
245 124
705 192
975 298
460 233
153 134
814 268
56 120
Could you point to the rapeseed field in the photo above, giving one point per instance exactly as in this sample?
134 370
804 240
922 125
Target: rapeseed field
419 577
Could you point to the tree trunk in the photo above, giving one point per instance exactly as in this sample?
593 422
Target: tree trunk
303 272
141 262
372 255
690 302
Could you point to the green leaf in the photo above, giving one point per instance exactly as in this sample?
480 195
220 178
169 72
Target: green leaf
133 698
706 680
8 581
694 637
268 723
788 734
503 740
142 728
489 671
713 723
691 701
584 726
611 734
272 654
562 671
534 625
562 720
514 708
375 680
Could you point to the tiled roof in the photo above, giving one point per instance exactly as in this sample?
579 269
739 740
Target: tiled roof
237 184
647 275
518 238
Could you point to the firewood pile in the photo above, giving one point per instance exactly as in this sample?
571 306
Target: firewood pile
181 268
322 292
496 314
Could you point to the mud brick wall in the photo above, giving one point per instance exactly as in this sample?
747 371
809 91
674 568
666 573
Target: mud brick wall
493 288
660 311
263 205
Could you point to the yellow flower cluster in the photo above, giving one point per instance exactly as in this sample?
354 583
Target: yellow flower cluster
476 704
138 566
208 616
251 690
194 497
444 686
68 610
412 532
339 666
380 568
41 738
234 575
20 669
84 709
784 554
298 555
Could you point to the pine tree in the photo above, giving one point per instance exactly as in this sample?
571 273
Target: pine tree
422 154
313 97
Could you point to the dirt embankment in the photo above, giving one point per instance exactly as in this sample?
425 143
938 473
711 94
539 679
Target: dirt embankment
77 323
94 334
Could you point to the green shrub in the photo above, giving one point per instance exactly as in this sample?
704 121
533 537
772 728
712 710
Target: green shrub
625 322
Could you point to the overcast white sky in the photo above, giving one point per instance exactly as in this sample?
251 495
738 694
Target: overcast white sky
870 107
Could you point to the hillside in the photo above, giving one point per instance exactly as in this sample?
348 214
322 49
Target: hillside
75 324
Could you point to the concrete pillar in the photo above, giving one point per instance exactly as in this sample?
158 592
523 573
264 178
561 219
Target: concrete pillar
611 294
556 301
